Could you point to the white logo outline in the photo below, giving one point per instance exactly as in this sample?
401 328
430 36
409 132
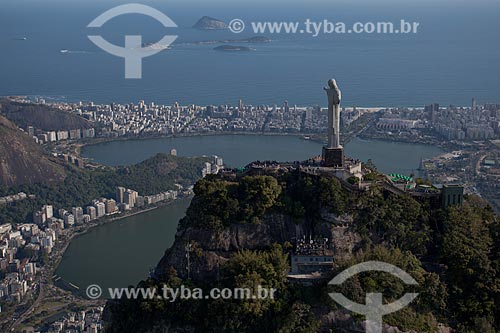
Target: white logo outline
132 52
374 309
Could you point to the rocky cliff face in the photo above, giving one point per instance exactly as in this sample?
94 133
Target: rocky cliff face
22 161
209 249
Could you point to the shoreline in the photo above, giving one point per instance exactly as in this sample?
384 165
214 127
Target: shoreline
107 221
118 218
445 146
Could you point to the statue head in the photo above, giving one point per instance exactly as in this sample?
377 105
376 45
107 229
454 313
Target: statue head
333 91
332 84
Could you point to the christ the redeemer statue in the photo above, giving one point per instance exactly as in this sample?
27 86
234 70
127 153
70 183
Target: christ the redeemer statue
333 153
334 98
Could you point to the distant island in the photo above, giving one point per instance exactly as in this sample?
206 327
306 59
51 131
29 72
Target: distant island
256 39
210 23
233 48
251 40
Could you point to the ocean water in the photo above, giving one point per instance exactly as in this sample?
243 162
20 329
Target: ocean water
452 59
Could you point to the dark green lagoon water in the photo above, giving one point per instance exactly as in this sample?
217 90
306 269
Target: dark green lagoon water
239 150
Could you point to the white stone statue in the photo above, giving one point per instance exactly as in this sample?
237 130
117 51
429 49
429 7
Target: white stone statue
334 98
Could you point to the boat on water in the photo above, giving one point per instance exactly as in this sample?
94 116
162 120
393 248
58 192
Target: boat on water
64 51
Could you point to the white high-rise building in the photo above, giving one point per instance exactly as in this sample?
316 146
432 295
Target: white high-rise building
78 214
92 212
62 135
101 209
49 211
110 206
69 220
130 198
51 136
219 161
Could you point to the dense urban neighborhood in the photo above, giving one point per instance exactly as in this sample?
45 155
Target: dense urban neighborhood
30 250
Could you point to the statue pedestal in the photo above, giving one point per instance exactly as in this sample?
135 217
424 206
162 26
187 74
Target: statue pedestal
333 157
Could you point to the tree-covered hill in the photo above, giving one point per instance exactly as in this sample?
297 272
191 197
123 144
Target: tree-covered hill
41 116
157 174
238 228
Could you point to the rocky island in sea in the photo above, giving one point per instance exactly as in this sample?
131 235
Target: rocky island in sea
251 40
233 48
210 23
255 39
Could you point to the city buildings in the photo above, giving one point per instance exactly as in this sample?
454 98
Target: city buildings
34 240
141 119
12 198
89 321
